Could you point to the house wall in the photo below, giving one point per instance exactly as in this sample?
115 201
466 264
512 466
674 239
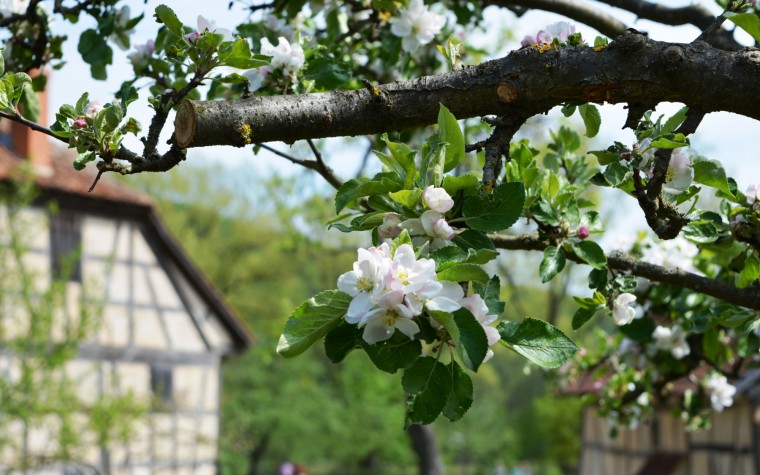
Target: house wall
727 448
152 317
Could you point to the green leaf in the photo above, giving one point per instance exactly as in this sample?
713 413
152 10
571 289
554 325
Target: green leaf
750 273
95 52
616 174
464 273
452 184
399 352
491 294
605 157
701 232
472 344
471 239
670 141
591 253
408 198
591 119
538 341
327 73
748 22
552 263
461 396
311 321
238 55
582 315
166 16
382 183
597 279
429 385
83 159
497 211
30 103
341 340
677 119
449 132
711 173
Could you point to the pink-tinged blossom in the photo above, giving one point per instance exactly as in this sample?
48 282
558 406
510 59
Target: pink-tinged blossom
528 40
583 232
622 312
416 25
92 108
680 174
391 226
204 25
753 194
286 56
437 199
79 124
721 392
435 225
141 55
391 314
560 30
440 296
672 340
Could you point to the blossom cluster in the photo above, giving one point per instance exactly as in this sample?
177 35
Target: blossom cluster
675 253
721 392
560 31
673 340
390 290
430 226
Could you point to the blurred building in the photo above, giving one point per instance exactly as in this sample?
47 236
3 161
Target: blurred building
163 332
661 445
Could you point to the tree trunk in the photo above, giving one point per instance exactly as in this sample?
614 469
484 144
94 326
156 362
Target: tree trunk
426 448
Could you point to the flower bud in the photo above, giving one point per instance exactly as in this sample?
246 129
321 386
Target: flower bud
80 124
583 232
437 199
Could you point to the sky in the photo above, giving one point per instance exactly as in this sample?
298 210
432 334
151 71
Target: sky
722 136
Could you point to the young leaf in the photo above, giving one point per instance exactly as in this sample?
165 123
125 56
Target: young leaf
591 253
750 273
582 315
464 273
399 352
497 211
403 238
711 173
538 341
449 131
357 188
166 16
311 321
591 119
471 239
677 119
473 343
491 293
748 22
461 396
552 263
341 340
429 385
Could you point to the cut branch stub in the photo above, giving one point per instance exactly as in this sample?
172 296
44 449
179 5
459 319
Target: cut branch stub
633 69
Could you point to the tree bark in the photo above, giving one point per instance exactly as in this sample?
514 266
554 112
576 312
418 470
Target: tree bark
632 69
425 446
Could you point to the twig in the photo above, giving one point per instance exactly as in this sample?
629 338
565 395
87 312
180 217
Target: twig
316 165
97 179
748 297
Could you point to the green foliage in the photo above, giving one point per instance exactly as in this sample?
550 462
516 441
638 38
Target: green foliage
540 342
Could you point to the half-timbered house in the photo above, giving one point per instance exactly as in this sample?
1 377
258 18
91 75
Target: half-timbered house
164 330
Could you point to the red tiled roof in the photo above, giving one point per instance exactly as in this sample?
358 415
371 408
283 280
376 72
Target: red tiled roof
63 178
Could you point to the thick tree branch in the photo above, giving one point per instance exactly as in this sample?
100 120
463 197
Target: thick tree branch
527 82
604 24
748 297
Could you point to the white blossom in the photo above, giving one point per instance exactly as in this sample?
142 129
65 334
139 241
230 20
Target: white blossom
560 30
672 340
391 314
141 55
721 392
416 25
92 108
437 199
675 253
680 173
391 226
13 7
622 312
204 25
288 57
753 194
435 225
120 33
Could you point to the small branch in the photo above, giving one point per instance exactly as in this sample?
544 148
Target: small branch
747 297
365 159
32 125
710 30
317 165
97 179
497 146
